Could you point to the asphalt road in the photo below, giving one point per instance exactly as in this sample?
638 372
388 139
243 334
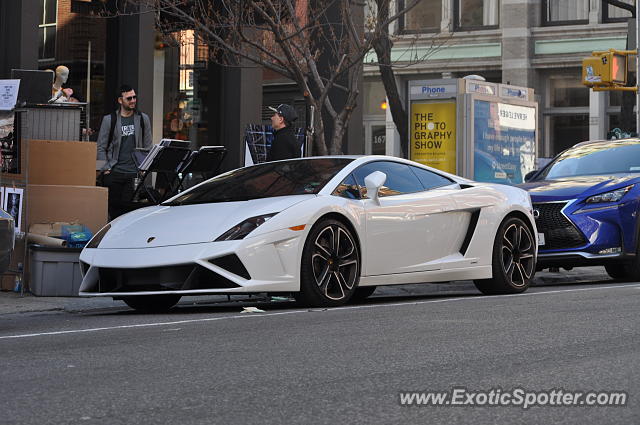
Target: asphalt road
209 364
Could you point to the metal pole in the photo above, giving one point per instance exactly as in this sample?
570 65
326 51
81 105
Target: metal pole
88 107
637 68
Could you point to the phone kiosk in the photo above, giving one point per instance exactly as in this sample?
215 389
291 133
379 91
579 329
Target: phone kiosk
476 129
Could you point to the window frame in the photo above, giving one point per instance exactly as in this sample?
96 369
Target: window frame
44 25
605 14
352 176
363 194
401 21
547 23
456 19
426 189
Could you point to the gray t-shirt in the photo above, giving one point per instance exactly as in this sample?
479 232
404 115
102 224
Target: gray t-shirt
127 147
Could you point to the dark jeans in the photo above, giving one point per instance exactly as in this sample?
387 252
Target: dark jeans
120 192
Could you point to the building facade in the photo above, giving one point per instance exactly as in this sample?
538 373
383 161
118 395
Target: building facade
106 43
533 43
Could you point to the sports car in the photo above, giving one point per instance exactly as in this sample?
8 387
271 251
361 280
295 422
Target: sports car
325 229
586 203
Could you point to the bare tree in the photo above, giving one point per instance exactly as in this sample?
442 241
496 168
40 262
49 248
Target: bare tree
318 44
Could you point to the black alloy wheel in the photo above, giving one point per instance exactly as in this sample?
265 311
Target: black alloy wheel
330 268
513 260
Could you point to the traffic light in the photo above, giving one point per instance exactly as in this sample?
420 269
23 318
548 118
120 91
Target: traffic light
605 69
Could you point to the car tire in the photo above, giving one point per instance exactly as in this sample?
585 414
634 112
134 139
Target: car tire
617 271
152 303
330 267
361 294
513 260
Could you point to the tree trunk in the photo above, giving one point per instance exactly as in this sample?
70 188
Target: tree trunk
382 46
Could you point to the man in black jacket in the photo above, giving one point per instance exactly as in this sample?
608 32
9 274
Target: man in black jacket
285 144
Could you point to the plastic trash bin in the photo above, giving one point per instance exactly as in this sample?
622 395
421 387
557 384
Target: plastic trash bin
54 271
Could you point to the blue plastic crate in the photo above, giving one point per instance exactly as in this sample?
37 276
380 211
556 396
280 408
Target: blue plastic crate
76 235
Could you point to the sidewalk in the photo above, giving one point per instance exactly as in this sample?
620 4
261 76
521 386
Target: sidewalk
11 302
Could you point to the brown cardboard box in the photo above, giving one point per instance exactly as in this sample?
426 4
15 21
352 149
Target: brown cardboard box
48 229
75 204
7 282
62 163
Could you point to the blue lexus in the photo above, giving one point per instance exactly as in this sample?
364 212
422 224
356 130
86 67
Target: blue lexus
586 204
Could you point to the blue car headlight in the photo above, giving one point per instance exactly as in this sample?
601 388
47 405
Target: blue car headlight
613 196
240 230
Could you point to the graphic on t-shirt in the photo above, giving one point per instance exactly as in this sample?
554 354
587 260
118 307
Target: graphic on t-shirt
128 130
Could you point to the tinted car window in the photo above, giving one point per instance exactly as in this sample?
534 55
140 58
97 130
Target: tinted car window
282 178
400 179
348 188
615 156
429 179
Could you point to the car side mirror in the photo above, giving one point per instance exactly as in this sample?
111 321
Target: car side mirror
373 183
530 174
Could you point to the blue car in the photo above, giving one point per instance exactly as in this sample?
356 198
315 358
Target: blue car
586 205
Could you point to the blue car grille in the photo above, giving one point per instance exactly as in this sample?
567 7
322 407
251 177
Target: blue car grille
559 232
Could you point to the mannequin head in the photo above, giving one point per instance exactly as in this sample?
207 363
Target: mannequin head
62 74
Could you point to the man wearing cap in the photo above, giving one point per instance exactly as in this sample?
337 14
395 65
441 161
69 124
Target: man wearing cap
284 145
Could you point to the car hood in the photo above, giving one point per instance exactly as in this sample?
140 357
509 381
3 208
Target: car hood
576 187
187 224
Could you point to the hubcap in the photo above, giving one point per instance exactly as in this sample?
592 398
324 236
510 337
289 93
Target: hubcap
334 262
517 254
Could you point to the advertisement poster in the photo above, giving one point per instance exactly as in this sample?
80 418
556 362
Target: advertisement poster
12 203
504 137
433 135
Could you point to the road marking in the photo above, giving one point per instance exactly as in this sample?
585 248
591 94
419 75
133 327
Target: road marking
283 313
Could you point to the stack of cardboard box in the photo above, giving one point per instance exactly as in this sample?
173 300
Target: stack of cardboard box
62 184
61 188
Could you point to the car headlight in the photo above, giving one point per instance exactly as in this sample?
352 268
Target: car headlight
613 196
97 238
240 230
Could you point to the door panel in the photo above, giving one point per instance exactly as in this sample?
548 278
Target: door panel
410 232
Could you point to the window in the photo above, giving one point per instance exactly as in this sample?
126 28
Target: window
567 92
370 15
616 14
378 139
374 96
47 28
429 179
567 130
613 157
348 188
423 17
566 111
472 14
271 179
400 179
565 12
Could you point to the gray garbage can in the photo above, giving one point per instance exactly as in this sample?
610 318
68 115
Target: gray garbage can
54 271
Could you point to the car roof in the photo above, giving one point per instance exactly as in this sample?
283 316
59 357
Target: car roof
593 142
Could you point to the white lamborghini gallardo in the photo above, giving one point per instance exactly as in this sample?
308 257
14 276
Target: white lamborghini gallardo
325 229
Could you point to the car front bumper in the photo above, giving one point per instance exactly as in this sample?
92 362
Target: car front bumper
269 263
578 234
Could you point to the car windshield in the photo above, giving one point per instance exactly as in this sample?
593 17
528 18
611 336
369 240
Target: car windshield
615 156
282 178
